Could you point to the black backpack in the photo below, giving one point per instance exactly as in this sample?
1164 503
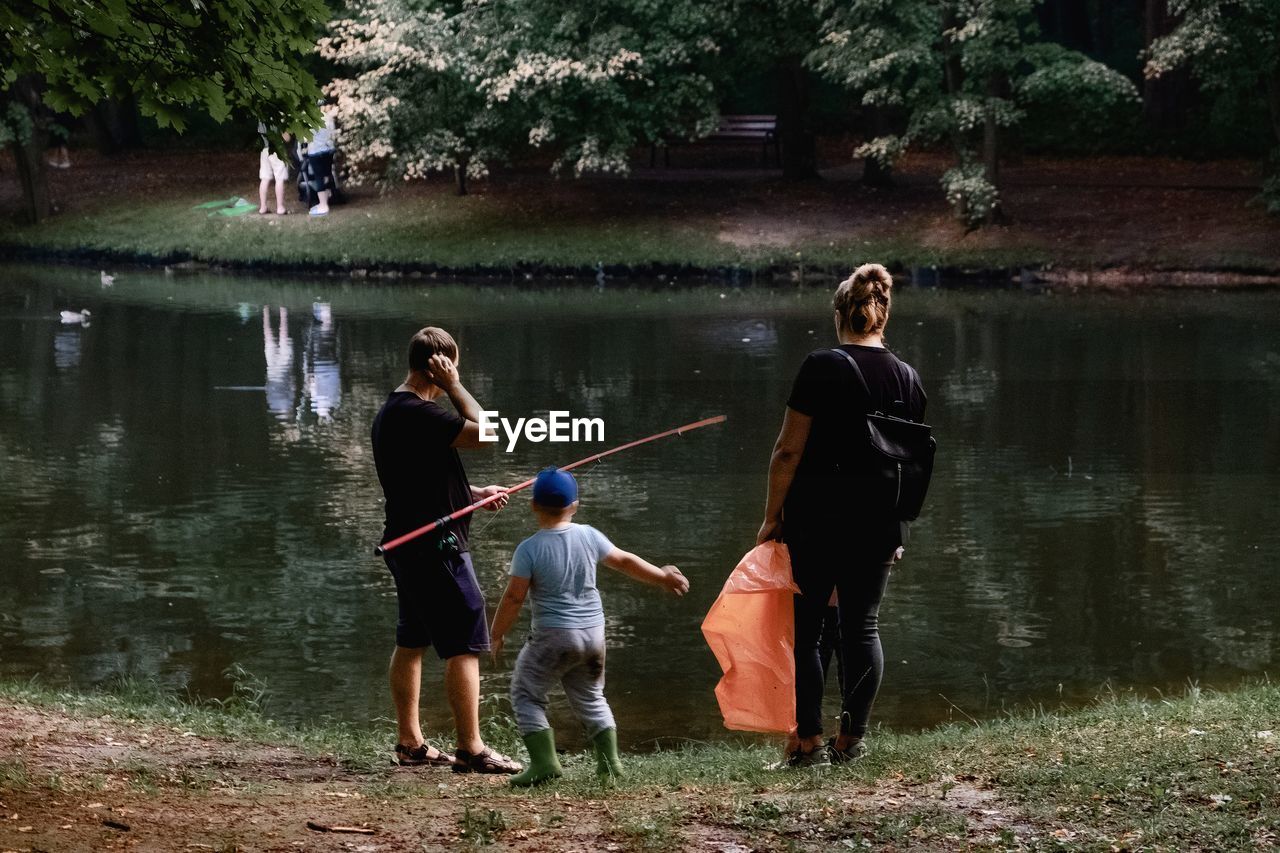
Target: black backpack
901 458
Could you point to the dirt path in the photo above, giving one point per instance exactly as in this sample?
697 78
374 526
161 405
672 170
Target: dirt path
75 783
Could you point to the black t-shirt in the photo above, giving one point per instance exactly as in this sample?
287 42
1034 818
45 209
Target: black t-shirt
422 476
827 389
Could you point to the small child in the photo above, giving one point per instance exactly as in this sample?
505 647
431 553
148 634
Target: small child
566 643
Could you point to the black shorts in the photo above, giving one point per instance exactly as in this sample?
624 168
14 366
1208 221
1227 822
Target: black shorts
440 602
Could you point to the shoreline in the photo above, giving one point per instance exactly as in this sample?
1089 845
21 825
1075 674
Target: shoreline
1069 228
1030 276
143 769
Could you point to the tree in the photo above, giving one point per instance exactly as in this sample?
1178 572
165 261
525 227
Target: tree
964 72
455 85
242 57
1232 48
778 35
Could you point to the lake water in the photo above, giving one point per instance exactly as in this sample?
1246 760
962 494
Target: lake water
187 482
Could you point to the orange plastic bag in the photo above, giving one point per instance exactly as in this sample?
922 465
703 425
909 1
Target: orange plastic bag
751 630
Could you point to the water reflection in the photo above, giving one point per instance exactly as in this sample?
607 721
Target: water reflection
66 349
1104 506
322 376
277 349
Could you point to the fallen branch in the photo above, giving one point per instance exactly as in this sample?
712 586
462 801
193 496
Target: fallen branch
353 830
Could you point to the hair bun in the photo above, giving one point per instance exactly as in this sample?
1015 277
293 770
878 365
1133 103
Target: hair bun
862 300
875 276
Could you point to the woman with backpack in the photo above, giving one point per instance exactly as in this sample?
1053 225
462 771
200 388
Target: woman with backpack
839 504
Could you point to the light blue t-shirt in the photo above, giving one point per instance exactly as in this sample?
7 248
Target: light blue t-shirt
561 567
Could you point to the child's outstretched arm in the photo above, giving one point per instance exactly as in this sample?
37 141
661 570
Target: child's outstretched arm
508 611
667 577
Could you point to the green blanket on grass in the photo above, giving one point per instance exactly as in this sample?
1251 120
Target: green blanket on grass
234 206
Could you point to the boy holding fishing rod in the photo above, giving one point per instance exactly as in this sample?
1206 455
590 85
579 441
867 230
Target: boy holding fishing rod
566 642
415 449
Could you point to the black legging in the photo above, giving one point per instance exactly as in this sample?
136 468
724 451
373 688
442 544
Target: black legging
860 579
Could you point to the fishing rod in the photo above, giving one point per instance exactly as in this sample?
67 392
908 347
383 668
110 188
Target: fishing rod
467 510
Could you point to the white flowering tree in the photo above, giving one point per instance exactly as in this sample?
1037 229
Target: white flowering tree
411 104
455 86
964 72
1233 49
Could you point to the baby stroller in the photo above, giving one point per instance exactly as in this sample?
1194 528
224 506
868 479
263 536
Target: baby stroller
316 172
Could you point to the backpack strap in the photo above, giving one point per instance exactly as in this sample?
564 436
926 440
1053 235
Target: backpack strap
857 371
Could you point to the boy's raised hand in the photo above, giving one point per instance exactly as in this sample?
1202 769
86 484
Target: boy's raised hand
675 580
495 649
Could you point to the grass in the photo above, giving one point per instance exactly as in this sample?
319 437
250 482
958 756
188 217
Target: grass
481 827
648 829
488 235
241 718
13 774
723 222
475 233
1195 771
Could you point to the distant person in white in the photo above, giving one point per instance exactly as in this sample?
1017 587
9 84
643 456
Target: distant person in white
270 167
318 162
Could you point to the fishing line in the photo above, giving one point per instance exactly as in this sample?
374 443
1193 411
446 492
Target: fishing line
595 457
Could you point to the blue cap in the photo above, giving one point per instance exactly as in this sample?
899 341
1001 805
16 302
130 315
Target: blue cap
554 488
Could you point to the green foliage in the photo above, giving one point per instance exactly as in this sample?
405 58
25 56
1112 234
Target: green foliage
1079 87
1228 44
973 198
240 56
498 726
248 692
1231 46
15 125
963 72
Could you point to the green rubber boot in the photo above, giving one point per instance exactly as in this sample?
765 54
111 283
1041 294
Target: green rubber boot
543 763
608 764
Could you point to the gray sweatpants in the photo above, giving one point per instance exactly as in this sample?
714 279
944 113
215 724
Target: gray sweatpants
575 658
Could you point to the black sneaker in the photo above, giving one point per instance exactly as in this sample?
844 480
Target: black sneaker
799 760
855 750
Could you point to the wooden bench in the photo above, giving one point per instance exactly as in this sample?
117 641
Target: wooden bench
735 129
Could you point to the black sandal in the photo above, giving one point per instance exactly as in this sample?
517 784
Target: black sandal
486 761
418 756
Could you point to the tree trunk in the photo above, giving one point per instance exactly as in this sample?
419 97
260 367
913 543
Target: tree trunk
100 127
460 177
991 143
114 124
29 159
875 173
799 145
125 124
953 75
1273 103
29 156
